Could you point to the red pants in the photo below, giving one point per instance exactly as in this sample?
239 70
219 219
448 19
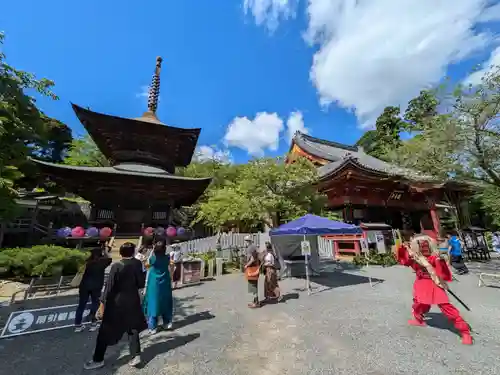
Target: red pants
448 310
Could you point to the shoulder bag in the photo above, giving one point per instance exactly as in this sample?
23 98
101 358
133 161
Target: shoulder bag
252 272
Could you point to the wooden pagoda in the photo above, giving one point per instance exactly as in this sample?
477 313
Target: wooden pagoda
369 190
139 188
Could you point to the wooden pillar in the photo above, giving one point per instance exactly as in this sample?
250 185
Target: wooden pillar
336 248
357 249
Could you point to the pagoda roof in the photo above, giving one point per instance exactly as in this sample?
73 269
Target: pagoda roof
142 140
126 183
340 156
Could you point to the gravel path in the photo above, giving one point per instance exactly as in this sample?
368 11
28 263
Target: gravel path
344 327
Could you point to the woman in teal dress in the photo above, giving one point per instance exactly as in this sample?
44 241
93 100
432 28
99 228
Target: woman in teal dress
158 299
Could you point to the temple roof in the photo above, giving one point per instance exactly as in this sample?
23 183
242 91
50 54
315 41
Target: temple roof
136 140
126 183
144 139
340 156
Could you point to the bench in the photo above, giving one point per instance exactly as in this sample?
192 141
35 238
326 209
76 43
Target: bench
488 275
479 253
45 285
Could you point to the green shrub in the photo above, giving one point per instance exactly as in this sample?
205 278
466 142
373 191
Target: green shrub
41 260
374 258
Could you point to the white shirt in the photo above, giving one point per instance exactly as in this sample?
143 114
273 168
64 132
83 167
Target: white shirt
175 255
142 258
269 259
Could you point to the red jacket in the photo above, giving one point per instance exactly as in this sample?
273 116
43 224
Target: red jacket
425 291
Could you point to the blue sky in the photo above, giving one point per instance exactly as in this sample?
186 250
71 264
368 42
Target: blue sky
227 60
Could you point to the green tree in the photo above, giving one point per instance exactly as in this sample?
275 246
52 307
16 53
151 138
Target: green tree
432 151
56 142
461 141
421 109
266 191
21 126
84 152
369 142
385 137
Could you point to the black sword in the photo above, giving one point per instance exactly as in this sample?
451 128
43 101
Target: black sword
459 300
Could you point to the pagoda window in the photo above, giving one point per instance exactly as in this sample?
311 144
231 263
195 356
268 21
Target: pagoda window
105 214
160 215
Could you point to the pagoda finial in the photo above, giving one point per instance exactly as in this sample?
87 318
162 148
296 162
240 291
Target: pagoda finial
154 89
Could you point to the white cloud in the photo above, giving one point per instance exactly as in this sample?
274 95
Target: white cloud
257 135
263 132
270 12
374 53
206 153
491 14
294 124
492 63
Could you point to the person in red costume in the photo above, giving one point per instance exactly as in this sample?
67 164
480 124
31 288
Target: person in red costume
432 275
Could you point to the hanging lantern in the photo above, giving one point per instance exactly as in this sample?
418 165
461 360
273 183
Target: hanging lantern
171 231
64 232
92 232
148 232
160 231
105 232
181 231
77 232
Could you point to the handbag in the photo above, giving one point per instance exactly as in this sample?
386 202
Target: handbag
252 272
77 280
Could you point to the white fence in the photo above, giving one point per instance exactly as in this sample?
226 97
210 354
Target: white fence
325 248
228 241
225 241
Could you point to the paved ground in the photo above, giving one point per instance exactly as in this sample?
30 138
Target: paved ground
344 327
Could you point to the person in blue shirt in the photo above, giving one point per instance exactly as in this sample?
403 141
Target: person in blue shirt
455 254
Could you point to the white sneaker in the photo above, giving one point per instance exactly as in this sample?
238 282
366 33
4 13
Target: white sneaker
169 326
93 327
136 361
153 331
79 328
91 365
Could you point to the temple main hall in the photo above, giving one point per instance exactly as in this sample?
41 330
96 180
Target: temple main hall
364 189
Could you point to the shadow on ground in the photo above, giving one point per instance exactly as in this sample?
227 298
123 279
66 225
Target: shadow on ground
194 318
63 351
285 297
340 279
439 321
157 346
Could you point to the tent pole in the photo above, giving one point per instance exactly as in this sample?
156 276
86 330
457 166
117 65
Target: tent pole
306 262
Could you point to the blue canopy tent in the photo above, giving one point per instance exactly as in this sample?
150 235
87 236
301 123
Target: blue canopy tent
286 240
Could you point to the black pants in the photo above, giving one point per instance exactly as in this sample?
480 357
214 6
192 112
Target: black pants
457 262
83 297
134 346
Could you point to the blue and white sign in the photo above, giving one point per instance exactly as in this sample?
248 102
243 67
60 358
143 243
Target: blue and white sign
39 320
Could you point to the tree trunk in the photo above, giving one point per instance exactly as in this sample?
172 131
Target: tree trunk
2 232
